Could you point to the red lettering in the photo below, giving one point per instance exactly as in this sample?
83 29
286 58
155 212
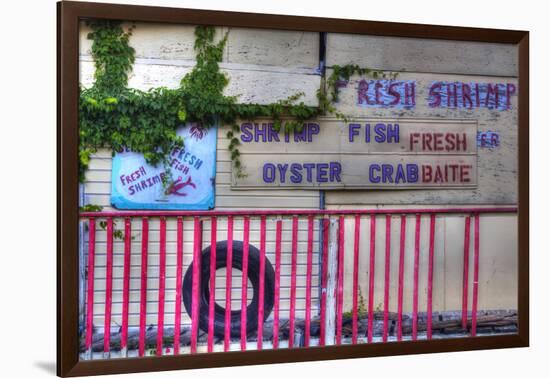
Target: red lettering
460 141
449 139
454 169
427 142
438 176
362 93
394 93
413 139
465 173
426 173
446 174
438 142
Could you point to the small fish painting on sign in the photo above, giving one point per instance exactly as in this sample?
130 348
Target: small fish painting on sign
138 185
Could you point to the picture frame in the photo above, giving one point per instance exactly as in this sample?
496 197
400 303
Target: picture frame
70 14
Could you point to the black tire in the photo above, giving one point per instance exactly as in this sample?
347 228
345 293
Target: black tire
219 311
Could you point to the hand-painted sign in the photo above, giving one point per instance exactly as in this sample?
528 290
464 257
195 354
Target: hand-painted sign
441 94
386 93
365 153
488 139
497 96
138 185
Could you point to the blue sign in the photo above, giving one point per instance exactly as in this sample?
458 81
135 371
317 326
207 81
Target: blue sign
138 185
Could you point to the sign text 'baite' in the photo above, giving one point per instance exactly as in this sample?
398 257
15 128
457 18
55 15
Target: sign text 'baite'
360 154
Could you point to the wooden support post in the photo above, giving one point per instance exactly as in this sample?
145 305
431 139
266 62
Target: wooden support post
332 281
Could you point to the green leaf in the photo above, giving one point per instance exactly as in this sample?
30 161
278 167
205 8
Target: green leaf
182 115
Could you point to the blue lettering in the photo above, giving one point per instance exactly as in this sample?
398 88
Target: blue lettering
353 131
309 167
296 170
300 136
272 135
259 132
313 130
322 172
246 135
335 170
282 171
393 133
372 177
400 174
387 171
412 173
269 173
379 130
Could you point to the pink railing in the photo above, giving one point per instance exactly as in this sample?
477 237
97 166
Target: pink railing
276 216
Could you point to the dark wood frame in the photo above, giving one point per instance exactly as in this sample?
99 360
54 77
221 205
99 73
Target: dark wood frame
68 16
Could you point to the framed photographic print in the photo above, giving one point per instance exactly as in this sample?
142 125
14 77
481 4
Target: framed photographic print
242 188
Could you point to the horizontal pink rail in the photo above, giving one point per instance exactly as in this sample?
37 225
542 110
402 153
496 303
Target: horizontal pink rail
457 210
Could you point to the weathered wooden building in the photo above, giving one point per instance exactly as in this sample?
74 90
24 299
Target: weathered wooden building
265 66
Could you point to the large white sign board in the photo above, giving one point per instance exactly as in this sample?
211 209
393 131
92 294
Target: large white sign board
360 154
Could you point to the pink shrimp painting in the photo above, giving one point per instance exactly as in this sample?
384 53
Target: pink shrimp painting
178 185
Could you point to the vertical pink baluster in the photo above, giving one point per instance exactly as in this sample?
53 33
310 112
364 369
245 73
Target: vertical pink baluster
108 290
401 276
293 282
415 278
212 296
244 282
308 279
340 285
430 276
90 296
228 284
324 279
355 279
278 232
465 269
126 287
162 284
261 287
371 277
387 278
476 275
179 283
197 255
143 285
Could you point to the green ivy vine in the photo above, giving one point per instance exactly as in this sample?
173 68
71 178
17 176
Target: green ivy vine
115 116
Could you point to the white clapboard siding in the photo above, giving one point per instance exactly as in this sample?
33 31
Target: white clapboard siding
422 55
